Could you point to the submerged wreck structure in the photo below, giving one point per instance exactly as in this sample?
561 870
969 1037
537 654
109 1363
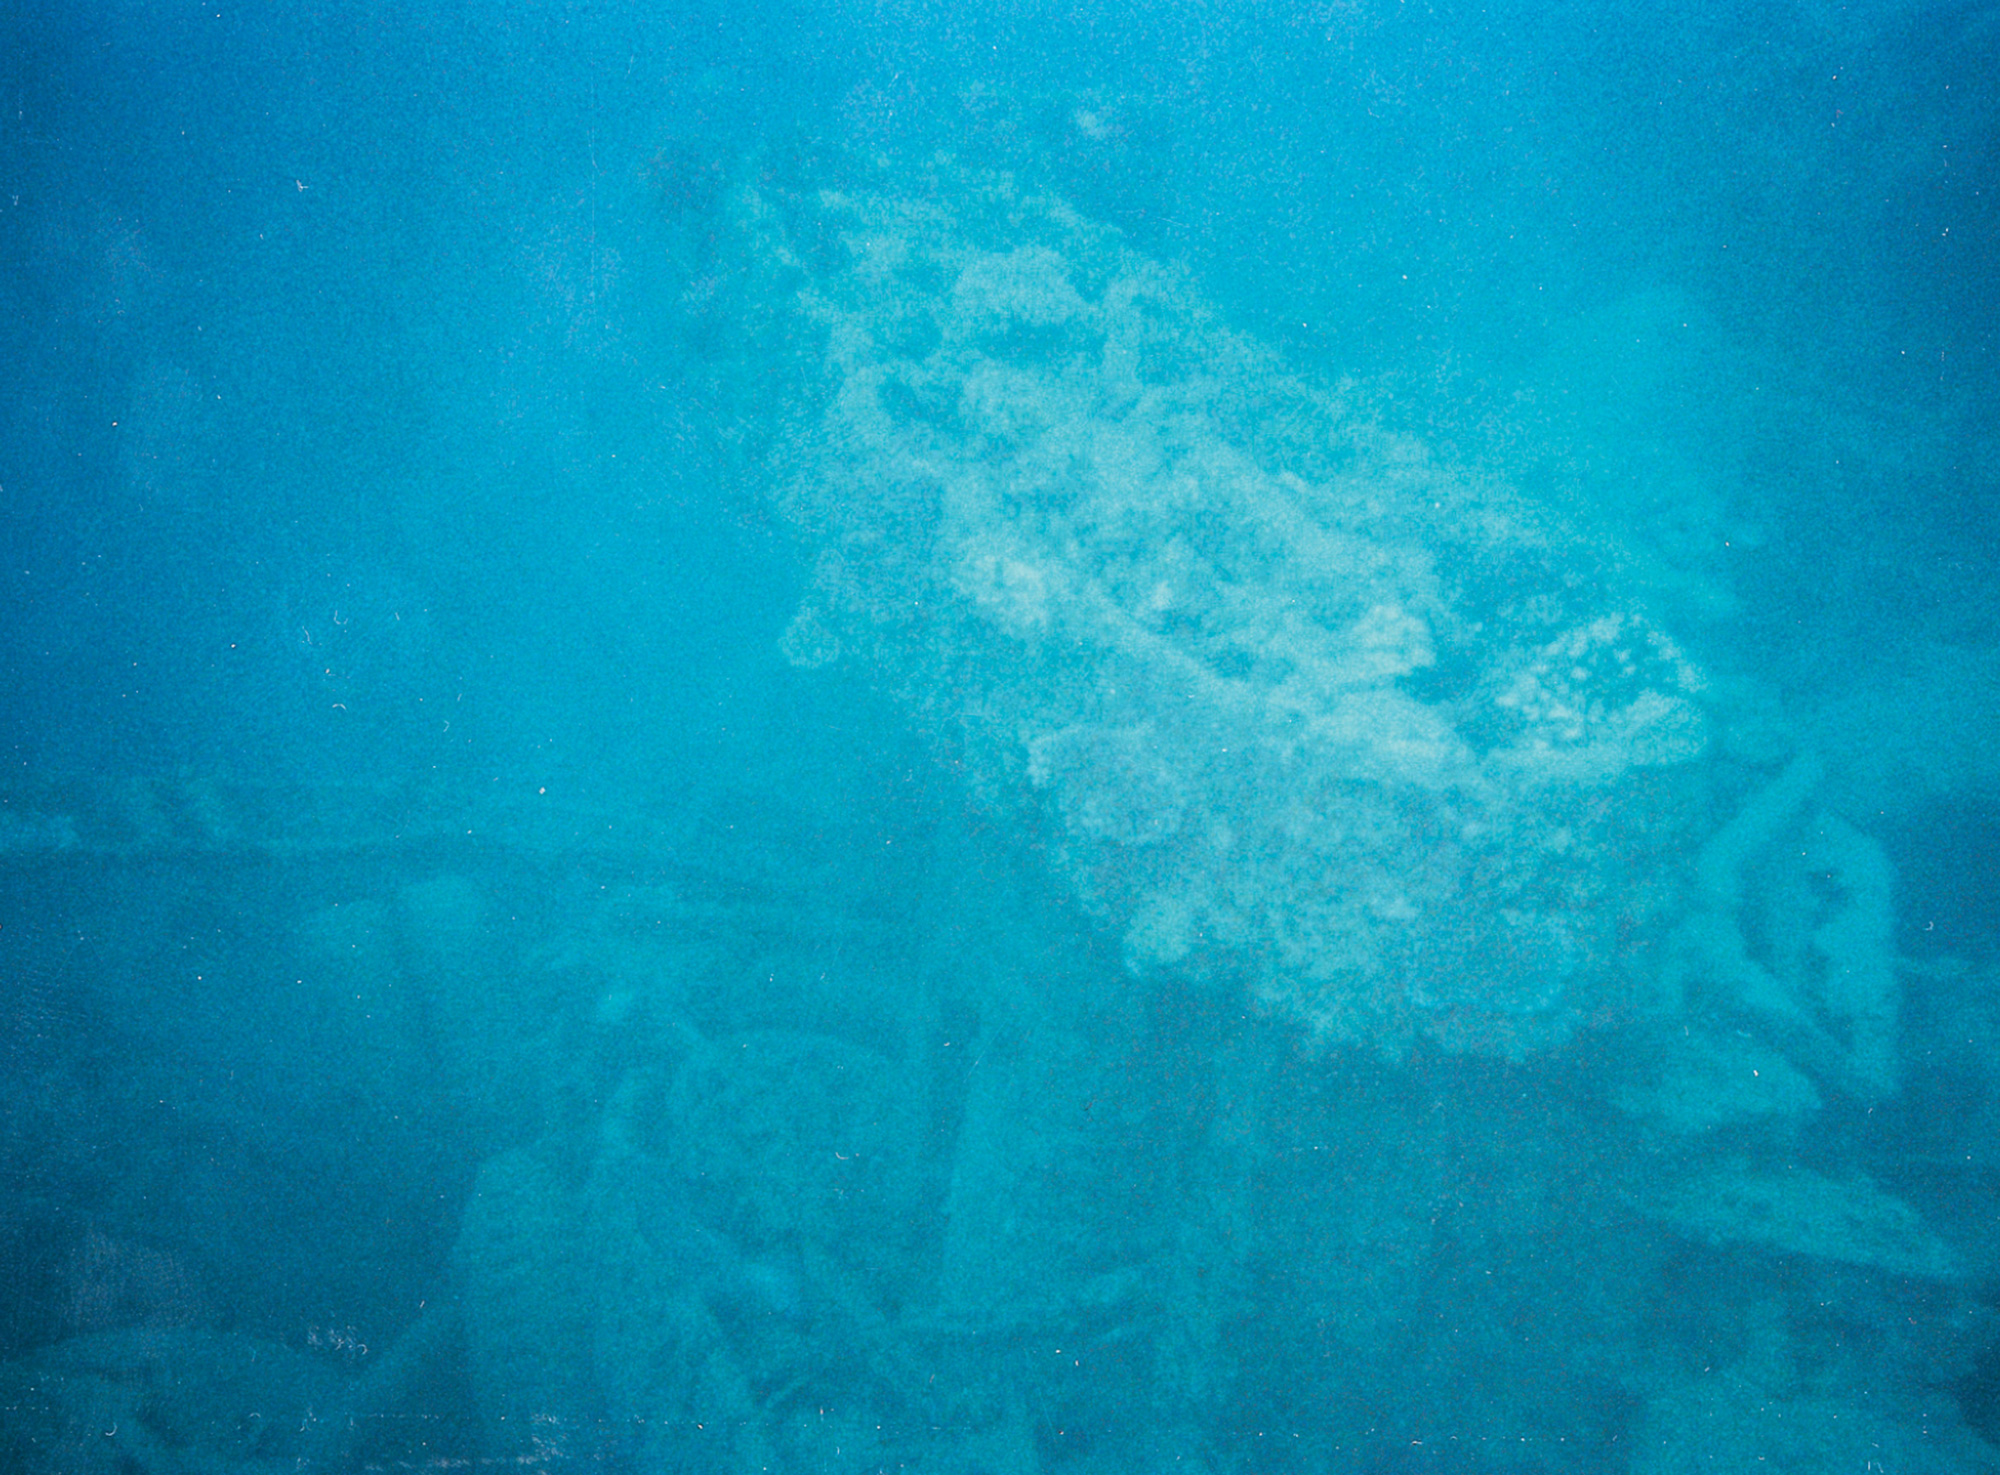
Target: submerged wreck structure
803 1132
1288 699
1302 712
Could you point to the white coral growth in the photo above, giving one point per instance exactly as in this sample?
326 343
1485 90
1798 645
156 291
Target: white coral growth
1301 704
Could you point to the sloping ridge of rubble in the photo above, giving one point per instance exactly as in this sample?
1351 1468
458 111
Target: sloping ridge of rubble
1291 699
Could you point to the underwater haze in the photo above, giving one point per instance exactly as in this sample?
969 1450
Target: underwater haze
1018 741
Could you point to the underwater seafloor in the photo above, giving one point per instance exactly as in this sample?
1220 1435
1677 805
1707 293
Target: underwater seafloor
1242 925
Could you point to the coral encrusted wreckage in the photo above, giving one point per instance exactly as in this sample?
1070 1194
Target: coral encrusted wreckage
1427 1090
1295 700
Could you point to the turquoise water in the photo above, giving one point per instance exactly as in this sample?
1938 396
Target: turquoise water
1074 739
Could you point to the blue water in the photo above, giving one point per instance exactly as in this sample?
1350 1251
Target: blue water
481 990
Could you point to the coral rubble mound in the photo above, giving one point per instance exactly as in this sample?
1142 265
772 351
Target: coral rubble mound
1293 700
